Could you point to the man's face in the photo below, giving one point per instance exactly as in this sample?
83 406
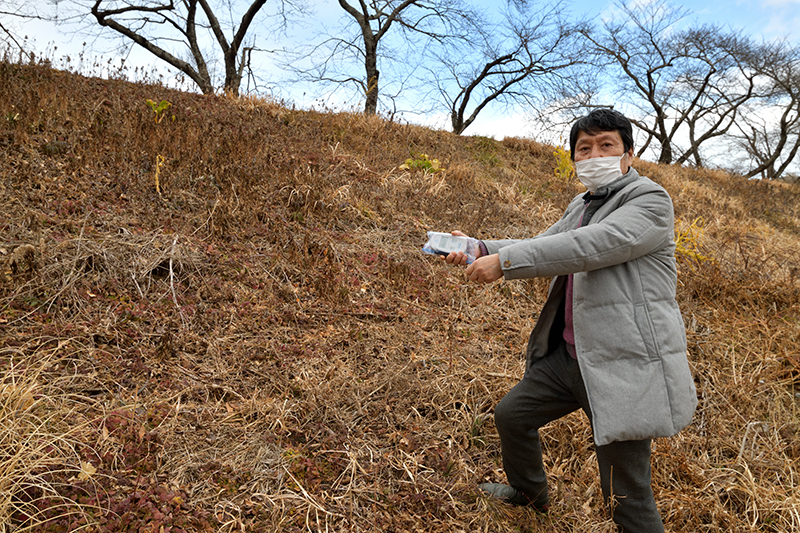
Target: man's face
602 144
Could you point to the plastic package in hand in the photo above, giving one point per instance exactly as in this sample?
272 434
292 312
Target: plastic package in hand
444 243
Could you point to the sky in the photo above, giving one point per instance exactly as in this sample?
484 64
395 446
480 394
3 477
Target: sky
768 19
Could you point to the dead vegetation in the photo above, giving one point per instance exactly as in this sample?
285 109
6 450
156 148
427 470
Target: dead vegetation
259 344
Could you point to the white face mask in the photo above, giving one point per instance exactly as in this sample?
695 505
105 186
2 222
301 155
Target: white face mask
598 171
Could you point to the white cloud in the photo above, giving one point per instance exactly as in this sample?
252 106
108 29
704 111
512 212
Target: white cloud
498 126
780 3
783 22
501 126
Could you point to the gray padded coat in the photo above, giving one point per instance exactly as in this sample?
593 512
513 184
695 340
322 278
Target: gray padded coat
629 334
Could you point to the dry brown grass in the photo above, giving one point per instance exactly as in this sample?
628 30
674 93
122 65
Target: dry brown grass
37 442
261 346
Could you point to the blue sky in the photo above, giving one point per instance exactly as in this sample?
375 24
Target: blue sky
768 19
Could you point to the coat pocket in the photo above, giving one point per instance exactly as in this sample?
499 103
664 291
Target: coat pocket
646 330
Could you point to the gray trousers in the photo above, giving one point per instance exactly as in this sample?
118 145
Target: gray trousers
551 388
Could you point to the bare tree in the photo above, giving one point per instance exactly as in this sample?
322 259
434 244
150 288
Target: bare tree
527 56
170 29
20 11
678 79
712 90
369 42
27 10
769 132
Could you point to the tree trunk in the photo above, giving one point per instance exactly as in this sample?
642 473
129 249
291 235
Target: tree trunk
371 67
371 103
233 77
663 137
457 121
666 153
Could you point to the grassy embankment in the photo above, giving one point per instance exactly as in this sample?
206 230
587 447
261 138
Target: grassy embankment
259 344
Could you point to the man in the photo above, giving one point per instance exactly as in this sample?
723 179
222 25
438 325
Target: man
610 338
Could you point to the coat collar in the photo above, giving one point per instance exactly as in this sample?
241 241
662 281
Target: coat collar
604 193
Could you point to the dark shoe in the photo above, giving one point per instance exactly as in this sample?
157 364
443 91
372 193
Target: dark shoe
509 494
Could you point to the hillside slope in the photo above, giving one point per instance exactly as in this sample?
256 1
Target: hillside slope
216 317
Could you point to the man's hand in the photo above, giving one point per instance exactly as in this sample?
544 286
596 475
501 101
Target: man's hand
456 258
485 269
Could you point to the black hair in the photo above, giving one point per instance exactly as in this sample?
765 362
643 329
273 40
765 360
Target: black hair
601 120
